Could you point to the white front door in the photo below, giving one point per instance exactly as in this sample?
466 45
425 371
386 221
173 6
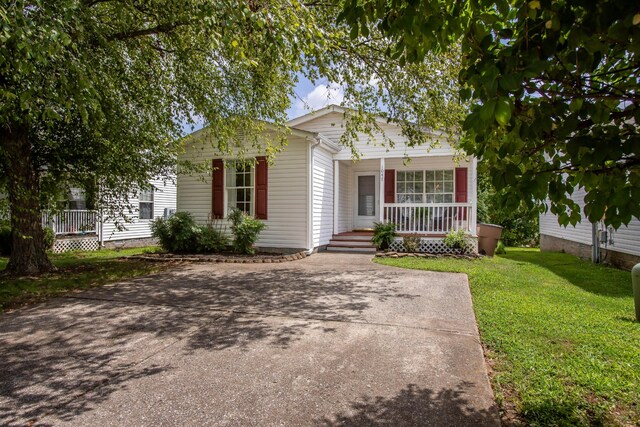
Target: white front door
366 203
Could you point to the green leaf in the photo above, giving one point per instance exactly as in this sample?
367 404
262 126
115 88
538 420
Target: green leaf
503 112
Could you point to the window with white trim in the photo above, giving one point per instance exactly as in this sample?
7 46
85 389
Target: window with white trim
439 186
429 186
410 187
239 184
145 200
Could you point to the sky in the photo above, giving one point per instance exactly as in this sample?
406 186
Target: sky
310 96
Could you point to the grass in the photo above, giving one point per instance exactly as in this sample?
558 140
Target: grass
75 271
559 334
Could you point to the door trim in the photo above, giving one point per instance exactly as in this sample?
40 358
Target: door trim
366 221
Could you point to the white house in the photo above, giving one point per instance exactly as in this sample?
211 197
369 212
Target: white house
619 247
315 196
79 228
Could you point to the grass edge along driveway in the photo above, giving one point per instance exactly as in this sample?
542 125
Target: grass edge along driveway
75 271
559 332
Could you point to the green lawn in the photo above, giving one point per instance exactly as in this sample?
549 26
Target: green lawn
76 270
559 332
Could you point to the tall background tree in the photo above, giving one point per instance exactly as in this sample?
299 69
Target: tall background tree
96 92
553 87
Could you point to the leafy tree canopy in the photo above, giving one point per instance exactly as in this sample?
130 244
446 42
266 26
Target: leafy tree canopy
553 87
95 92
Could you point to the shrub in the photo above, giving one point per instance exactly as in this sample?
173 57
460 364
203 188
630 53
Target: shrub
212 239
245 231
411 243
178 233
500 250
457 240
49 237
383 234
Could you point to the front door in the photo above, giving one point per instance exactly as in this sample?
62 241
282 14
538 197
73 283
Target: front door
366 201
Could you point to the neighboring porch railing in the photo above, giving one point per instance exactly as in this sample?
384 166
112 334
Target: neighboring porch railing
429 218
71 222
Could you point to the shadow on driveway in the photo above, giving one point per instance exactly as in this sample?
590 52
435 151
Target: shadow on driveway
67 356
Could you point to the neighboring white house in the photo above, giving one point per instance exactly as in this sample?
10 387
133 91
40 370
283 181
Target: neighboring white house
79 228
314 195
618 247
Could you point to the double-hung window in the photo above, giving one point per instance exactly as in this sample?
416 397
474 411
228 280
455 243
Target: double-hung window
430 186
145 200
439 186
240 184
410 187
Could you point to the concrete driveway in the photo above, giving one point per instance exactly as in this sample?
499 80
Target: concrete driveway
333 339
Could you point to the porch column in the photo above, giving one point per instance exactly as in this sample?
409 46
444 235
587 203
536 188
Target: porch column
336 195
381 191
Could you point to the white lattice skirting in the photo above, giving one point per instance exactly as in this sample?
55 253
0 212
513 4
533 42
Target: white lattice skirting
88 243
431 246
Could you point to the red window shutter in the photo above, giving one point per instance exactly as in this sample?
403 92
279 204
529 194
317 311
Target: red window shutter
389 185
461 185
217 189
461 192
261 187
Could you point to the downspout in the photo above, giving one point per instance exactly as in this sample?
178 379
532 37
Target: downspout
595 243
312 148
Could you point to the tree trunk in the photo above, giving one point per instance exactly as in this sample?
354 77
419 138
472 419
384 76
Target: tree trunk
28 252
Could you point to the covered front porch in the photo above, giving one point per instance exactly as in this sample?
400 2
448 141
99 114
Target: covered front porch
428 195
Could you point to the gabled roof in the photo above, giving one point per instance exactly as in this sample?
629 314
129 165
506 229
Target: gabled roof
332 108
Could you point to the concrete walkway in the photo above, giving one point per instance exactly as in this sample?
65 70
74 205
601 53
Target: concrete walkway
333 339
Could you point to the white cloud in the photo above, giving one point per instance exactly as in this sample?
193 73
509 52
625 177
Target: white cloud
321 96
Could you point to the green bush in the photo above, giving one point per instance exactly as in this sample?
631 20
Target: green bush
519 222
211 239
457 240
178 234
245 231
500 250
411 243
49 237
383 234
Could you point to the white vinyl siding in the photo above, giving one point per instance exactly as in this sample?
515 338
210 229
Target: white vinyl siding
626 239
331 126
345 198
163 197
322 197
581 233
287 192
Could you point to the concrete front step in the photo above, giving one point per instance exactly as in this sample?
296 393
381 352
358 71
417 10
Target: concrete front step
344 242
353 237
357 249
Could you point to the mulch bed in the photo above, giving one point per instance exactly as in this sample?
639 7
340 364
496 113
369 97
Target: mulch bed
260 257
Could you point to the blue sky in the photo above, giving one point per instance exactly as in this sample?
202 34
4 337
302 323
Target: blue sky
310 96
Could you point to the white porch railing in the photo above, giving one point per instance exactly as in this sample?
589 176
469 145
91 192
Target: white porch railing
429 218
71 222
